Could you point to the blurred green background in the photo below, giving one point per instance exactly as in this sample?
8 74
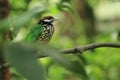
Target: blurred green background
80 22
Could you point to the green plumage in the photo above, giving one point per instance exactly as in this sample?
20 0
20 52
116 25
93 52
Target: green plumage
34 33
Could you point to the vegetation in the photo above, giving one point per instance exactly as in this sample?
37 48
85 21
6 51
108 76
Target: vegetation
81 22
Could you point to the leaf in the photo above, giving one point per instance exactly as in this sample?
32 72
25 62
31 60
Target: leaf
26 49
79 69
65 5
75 67
23 58
20 20
54 54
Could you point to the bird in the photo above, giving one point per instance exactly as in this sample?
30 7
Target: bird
42 31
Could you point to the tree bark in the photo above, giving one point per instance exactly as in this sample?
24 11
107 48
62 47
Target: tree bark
4 12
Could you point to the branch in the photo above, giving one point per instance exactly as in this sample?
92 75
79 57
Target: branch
81 49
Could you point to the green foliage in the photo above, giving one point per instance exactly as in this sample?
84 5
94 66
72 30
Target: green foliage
23 58
75 66
102 64
21 20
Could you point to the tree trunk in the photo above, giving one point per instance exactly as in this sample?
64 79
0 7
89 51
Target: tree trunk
4 12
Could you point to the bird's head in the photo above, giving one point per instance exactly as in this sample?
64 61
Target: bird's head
47 20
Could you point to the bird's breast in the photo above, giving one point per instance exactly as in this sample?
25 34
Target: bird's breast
46 33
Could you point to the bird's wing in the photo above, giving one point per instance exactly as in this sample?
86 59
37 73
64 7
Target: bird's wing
34 33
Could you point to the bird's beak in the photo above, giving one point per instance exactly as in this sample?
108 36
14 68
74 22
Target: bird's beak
56 19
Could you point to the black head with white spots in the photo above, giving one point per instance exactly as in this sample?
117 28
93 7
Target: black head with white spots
47 20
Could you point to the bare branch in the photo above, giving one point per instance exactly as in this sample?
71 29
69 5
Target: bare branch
81 49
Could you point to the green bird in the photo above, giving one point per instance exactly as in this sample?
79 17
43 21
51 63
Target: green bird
42 31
